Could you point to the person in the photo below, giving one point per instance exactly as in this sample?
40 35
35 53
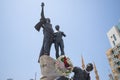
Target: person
58 41
80 74
47 32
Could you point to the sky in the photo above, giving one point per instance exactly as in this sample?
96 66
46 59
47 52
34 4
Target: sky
85 22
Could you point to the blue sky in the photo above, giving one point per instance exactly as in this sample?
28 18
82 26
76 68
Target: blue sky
85 22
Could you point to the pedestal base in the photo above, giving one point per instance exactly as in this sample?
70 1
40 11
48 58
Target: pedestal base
48 69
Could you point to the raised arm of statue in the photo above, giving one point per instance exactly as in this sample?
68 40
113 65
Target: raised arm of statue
42 12
42 19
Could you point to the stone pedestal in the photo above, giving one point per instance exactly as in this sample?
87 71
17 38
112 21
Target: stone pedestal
48 69
47 78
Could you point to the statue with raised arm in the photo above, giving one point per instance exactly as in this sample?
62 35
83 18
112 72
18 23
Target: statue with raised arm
47 32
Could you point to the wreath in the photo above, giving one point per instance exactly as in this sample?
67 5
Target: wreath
64 65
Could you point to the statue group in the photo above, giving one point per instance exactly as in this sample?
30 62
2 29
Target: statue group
55 37
50 36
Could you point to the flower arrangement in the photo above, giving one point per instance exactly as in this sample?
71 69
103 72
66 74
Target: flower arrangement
64 65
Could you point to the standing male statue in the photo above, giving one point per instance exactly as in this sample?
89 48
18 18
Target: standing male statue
47 32
59 41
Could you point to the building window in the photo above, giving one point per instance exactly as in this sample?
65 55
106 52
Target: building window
112 51
119 70
118 63
116 56
114 43
114 37
119 55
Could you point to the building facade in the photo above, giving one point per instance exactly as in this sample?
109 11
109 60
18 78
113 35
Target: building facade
114 36
113 54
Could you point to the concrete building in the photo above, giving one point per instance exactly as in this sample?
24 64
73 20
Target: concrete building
114 36
113 54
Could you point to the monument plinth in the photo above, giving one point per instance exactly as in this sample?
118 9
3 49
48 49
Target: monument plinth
48 69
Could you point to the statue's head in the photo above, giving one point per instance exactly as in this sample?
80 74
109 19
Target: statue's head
89 67
57 27
48 20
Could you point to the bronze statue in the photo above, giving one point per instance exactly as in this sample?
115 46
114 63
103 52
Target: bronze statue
47 32
80 74
58 41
